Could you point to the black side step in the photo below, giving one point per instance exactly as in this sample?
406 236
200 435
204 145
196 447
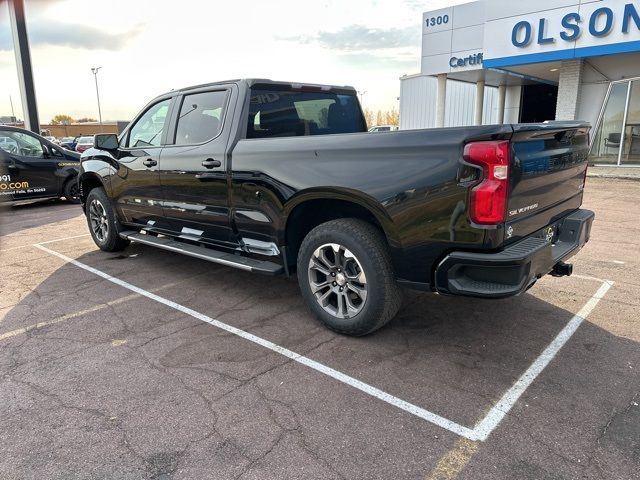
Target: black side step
215 256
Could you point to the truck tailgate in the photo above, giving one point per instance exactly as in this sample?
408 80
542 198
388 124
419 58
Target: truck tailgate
547 174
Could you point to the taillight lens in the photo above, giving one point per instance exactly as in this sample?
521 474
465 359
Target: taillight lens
488 202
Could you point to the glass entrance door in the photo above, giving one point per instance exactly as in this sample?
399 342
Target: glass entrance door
631 138
617 137
608 138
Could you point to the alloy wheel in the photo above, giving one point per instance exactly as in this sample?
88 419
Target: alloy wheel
337 280
99 220
73 192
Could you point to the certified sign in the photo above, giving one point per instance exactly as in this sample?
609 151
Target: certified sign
475 59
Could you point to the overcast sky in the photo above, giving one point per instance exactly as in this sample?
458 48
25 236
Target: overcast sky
147 47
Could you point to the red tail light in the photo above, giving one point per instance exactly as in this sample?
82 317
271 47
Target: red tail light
488 203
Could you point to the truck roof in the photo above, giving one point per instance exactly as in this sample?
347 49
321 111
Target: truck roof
253 81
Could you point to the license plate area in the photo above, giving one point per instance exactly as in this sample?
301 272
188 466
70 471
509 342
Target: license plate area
549 233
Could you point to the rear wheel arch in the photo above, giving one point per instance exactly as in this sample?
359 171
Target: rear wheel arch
309 210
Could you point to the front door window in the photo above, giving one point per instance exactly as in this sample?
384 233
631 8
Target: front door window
147 131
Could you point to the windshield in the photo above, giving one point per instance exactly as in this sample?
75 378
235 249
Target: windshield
85 140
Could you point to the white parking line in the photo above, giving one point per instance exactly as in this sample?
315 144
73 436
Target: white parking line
484 428
589 277
82 313
65 238
44 243
479 433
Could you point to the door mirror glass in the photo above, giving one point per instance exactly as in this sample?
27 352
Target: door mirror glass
106 141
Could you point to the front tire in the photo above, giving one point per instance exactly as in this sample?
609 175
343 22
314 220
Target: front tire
71 191
346 276
103 224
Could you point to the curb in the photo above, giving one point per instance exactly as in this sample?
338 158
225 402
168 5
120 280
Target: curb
614 176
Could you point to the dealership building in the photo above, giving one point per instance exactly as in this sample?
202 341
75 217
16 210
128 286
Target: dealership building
505 61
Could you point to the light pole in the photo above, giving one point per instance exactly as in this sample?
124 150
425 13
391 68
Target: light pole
13 114
94 70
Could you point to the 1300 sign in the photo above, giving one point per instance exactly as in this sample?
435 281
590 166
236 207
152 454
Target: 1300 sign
439 20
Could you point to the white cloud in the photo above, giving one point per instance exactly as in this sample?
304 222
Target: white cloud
147 47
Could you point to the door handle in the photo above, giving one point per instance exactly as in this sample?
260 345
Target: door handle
210 163
149 162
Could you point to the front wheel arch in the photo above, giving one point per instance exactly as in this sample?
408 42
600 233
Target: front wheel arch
88 182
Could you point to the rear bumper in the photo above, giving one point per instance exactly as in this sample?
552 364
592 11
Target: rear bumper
513 270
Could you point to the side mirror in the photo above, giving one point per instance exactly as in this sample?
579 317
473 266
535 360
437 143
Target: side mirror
105 141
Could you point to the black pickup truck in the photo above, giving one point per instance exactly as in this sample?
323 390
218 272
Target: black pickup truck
276 177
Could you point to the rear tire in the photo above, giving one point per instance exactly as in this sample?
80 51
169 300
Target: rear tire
346 276
103 224
71 191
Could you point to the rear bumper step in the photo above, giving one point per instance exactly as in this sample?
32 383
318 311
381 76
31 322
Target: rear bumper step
204 253
517 267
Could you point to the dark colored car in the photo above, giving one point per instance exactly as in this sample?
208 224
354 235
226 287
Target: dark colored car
276 177
383 128
69 143
32 167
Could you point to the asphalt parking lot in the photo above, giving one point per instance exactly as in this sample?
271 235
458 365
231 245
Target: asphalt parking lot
115 366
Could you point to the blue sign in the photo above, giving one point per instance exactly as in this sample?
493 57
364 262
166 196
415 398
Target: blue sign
599 24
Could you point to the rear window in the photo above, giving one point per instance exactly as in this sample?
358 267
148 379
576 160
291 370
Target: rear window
200 117
286 113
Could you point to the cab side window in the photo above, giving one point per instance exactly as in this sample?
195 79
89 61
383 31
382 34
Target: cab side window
291 113
18 143
147 131
200 117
